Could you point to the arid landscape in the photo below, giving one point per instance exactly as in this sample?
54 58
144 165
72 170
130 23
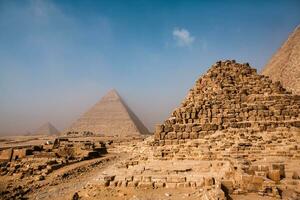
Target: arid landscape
234 136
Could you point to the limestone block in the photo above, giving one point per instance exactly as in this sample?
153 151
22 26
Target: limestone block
162 135
159 184
199 183
176 179
281 169
171 135
171 185
159 179
156 136
176 127
274 175
196 128
146 185
188 128
159 128
129 178
113 183
109 177
132 183
194 135
209 181
185 135
146 179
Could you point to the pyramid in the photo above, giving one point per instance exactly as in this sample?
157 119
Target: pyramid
46 129
231 96
284 66
110 116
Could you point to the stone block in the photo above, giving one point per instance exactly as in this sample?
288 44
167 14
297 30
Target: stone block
159 179
159 184
156 136
179 135
132 183
185 135
159 128
109 177
176 179
209 181
146 179
274 175
194 135
188 128
281 169
171 135
171 185
196 128
146 185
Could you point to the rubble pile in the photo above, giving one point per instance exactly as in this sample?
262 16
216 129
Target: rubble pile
231 95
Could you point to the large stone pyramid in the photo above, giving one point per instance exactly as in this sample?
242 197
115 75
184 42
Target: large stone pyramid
284 66
46 129
110 116
231 95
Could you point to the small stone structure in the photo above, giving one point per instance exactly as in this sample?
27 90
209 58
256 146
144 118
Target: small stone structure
231 95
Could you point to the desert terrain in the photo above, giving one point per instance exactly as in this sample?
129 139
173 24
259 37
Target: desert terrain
207 105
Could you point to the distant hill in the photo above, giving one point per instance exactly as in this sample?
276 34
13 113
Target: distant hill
284 66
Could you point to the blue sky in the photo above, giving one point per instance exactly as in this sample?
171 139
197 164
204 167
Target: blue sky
58 58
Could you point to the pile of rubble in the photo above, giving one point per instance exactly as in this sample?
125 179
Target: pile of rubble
236 132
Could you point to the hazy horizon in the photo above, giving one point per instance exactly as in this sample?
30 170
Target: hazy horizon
58 58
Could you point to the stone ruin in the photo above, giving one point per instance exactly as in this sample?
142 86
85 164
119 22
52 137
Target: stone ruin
40 160
231 95
236 132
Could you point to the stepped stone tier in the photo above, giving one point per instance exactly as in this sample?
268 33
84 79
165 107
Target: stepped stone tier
231 95
47 129
110 116
236 133
284 66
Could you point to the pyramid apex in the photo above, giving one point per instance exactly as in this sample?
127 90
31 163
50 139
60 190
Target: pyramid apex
111 94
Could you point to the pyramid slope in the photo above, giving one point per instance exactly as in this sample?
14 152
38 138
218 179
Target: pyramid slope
231 95
284 66
46 129
110 116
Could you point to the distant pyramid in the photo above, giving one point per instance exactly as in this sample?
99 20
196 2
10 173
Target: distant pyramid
284 66
46 129
110 116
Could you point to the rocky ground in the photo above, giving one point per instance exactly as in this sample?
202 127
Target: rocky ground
82 180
